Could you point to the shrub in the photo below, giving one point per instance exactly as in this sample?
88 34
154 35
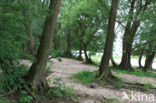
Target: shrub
25 98
57 53
59 59
11 77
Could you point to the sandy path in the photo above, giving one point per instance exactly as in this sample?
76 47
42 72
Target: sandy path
69 66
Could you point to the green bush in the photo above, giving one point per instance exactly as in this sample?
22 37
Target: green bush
57 53
59 59
11 77
85 77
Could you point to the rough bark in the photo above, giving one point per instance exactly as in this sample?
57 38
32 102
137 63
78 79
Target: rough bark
104 70
36 77
149 61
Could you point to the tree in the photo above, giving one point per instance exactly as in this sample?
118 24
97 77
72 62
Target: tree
104 71
36 78
133 23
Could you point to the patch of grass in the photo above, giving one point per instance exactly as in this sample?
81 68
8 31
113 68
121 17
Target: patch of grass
109 100
137 73
117 85
148 86
59 59
85 77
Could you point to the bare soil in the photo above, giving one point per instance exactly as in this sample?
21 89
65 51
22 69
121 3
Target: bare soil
68 67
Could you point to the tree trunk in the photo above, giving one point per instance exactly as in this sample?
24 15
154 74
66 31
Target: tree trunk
149 61
36 77
140 58
68 50
80 53
113 63
130 31
104 70
88 60
28 27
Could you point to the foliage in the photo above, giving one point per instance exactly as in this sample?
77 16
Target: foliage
59 59
25 98
61 90
57 53
11 76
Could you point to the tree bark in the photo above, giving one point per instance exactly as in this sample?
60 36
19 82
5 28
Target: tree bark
140 58
149 61
36 77
104 70
88 60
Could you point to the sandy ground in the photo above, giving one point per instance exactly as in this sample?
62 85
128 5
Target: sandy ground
68 67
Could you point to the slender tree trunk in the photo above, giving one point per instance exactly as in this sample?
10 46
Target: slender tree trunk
149 61
80 53
88 60
140 58
36 77
68 50
104 70
28 27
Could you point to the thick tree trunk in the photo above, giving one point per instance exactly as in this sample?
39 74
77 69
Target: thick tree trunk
68 50
104 70
113 63
140 58
149 61
36 77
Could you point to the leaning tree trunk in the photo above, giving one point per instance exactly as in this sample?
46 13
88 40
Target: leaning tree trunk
104 71
36 77
68 50
149 61
88 60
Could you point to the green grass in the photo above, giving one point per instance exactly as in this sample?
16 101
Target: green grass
84 77
137 73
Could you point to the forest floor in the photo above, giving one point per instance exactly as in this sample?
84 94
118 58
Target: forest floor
67 67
